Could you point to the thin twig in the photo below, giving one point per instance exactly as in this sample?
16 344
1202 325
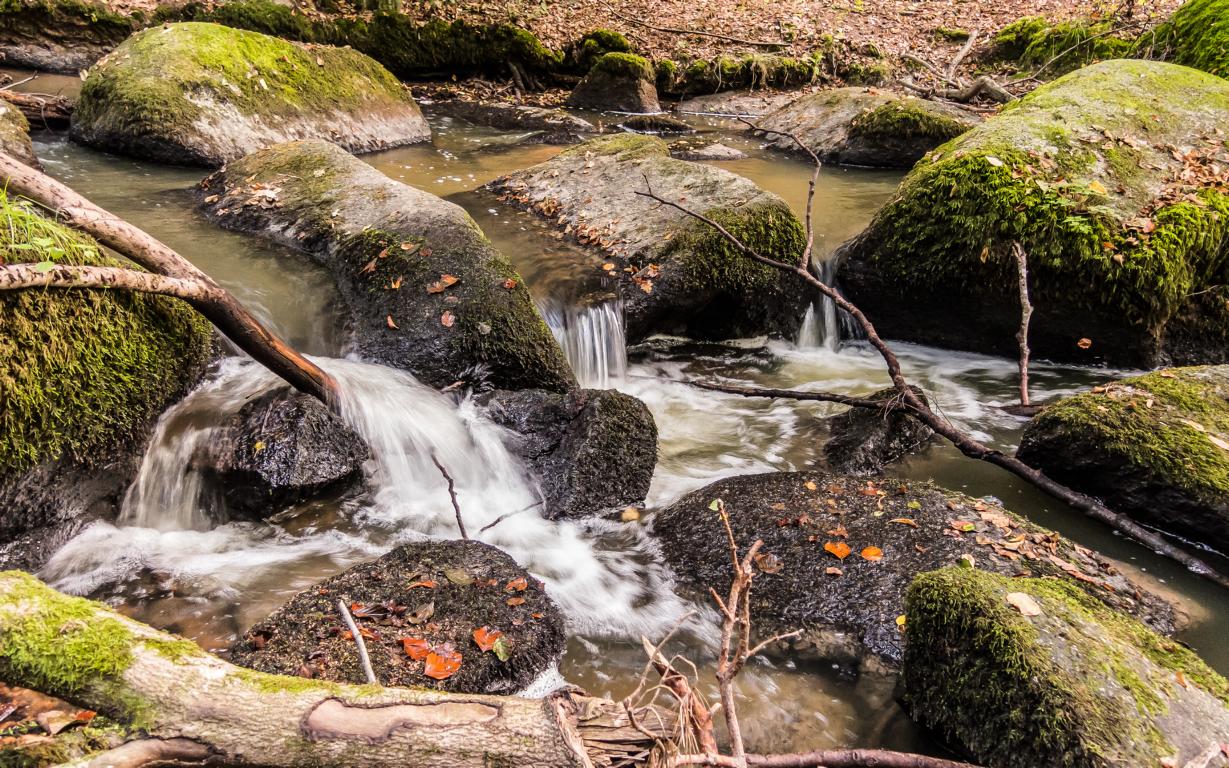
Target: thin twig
505 516
674 31
363 658
452 494
1026 312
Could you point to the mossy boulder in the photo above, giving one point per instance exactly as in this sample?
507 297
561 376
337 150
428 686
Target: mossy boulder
1155 447
1107 178
676 274
15 135
591 449
594 45
1197 35
618 82
59 35
84 374
1021 673
435 594
818 575
864 126
424 288
203 94
280 449
1032 43
862 441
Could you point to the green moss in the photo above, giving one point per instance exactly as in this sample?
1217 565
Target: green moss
1034 175
905 119
83 371
951 35
625 65
627 145
596 44
1158 442
758 71
1032 42
984 675
868 72
1198 36
14 131
712 262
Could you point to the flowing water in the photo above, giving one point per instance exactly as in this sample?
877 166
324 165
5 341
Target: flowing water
170 561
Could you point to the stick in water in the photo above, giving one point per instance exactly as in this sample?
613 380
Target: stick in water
363 658
452 494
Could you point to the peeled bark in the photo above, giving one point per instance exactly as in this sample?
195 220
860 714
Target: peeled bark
184 701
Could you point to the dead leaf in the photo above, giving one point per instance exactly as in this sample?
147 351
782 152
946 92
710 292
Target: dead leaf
1024 603
1084 343
810 485
448 319
873 554
768 562
389 320
458 576
516 585
415 647
421 613
509 284
839 549
515 601
442 662
904 521
485 637
834 571
428 584
839 531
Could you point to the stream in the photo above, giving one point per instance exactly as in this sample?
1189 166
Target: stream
166 562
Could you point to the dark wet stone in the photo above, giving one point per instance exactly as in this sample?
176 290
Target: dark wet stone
591 449
850 618
473 585
656 124
618 82
689 151
513 117
862 441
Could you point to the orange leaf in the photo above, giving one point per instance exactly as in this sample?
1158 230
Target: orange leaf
442 663
429 584
449 280
904 521
1084 343
838 548
369 267
447 319
395 284
514 601
485 637
415 647
426 253
86 715
872 554
517 585
509 283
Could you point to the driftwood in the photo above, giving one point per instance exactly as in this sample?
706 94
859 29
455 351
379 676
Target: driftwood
169 273
1026 313
42 109
911 403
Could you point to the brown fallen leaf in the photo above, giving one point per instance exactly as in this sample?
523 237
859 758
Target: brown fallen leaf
448 319
904 521
1084 343
839 531
415 647
515 601
834 571
442 663
1024 603
485 637
427 584
873 554
518 584
389 320
509 284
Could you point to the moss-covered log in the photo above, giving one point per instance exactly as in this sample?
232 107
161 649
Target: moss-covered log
183 700
1107 178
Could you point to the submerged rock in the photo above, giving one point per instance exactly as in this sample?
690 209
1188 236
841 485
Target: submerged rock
1029 672
204 94
738 103
656 124
1197 35
618 82
591 449
424 289
1125 235
865 126
888 531
687 151
84 374
1154 447
431 595
515 117
15 135
676 274
862 441
283 448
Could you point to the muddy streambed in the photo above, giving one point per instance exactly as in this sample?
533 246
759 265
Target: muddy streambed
167 563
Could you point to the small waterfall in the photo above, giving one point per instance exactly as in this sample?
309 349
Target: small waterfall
821 326
592 338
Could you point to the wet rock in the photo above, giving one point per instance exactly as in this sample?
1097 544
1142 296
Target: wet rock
865 126
59 35
433 593
1029 672
1154 447
591 449
656 124
424 288
515 117
736 103
863 442
85 376
848 608
676 274
710 152
204 94
618 82
283 448
15 135
1126 274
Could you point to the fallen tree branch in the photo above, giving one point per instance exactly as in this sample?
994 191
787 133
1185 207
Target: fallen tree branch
964 442
452 494
42 109
214 302
363 658
950 73
18 276
675 31
832 758
1026 312
982 86
146 752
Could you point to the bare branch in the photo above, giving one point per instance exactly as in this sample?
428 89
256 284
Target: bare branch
143 752
357 633
452 494
796 394
1026 312
961 54
22 276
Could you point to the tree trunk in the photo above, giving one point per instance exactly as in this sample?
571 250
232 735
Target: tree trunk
214 302
188 704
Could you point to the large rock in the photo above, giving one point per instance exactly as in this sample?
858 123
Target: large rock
83 377
1154 447
676 274
852 611
15 135
283 448
204 94
1020 673
1107 178
865 126
1197 35
591 449
618 82
426 291
439 592
862 441
59 35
